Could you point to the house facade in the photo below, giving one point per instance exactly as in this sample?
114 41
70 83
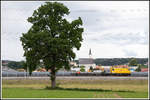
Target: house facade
87 62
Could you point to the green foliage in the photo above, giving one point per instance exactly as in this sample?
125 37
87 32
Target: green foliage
15 65
51 38
74 66
139 68
102 62
144 66
82 69
69 93
133 62
82 66
118 61
24 64
91 68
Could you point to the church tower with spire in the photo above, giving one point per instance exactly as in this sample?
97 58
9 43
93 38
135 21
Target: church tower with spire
90 53
87 62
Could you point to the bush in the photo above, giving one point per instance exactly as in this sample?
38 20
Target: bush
139 68
82 69
91 69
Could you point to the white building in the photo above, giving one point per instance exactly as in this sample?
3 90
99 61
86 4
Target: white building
75 69
106 67
87 62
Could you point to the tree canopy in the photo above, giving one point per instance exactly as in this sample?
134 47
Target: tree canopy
139 68
133 62
51 38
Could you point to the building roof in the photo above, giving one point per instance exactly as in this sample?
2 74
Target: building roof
144 69
86 61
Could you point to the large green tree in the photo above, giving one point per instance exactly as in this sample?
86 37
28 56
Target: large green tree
51 38
133 62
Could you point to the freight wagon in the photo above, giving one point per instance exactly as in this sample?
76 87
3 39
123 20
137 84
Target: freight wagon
120 71
117 70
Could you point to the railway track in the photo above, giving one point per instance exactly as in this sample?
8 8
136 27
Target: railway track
81 78
68 74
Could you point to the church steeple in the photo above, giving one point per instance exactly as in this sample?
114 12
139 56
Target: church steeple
90 53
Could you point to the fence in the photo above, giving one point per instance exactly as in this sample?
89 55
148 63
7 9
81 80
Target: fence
46 74
34 74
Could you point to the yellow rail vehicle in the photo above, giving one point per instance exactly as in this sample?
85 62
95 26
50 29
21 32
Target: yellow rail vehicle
120 71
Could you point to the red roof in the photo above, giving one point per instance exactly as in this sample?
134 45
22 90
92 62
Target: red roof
121 66
144 70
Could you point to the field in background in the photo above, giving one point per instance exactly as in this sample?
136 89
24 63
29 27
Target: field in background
75 88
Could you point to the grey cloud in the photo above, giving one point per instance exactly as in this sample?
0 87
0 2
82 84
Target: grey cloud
95 20
121 38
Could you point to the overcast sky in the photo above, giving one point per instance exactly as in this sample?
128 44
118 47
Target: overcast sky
112 29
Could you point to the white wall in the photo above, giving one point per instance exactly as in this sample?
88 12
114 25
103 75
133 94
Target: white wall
75 69
87 66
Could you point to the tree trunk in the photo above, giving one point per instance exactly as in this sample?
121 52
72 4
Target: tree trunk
53 78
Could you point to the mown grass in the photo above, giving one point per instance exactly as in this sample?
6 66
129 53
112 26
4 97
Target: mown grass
45 93
75 89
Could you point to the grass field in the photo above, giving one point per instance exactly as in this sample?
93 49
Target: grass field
75 89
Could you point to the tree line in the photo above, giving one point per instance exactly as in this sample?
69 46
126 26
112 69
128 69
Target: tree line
98 61
116 61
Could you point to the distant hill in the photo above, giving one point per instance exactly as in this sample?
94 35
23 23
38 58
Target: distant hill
7 69
12 64
116 61
119 61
